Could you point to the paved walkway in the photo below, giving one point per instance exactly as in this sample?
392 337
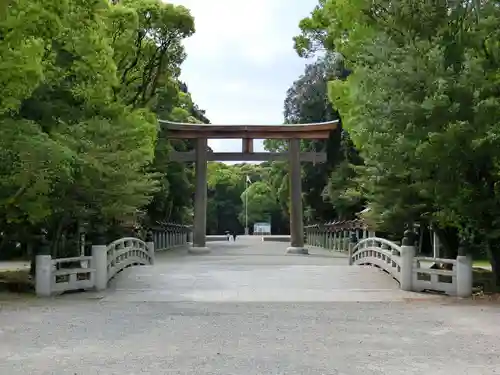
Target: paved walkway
250 270
249 310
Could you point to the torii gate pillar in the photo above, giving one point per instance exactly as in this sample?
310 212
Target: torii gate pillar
200 199
296 214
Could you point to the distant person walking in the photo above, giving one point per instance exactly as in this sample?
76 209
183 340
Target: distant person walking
234 236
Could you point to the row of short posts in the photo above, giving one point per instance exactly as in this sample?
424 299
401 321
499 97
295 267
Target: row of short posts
172 235
335 238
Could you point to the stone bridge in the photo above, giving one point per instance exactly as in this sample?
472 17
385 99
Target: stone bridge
253 270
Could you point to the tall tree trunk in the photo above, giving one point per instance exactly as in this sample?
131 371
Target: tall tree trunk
56 240
449 241
493 250
32 255
3 241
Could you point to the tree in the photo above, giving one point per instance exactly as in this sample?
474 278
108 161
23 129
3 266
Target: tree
225 185
80 84
262 203
421 107
307 102
147 37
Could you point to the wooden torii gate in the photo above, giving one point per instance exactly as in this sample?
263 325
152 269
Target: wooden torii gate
293 133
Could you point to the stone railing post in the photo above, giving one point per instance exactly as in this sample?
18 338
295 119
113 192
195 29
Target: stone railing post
168 237
150 244
345 240
407 256
352 243
155 238
100 262
164 238
186 236
464 271
159 238
191 235
43 276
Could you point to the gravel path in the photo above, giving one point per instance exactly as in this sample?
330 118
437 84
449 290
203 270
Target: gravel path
248 309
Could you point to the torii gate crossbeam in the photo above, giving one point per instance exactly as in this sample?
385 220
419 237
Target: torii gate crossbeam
293 133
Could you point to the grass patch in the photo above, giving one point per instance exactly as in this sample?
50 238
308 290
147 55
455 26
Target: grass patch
18 281
475 263
481 263
483 280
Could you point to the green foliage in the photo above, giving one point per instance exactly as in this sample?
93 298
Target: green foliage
227 189
262 202
147 37
323 184
422 106
31 164
80 83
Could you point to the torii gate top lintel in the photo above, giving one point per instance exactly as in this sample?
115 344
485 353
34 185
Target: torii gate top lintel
319 130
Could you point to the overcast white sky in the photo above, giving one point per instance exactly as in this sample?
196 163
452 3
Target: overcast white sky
241 60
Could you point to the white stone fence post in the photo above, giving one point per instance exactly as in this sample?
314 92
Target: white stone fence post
407 254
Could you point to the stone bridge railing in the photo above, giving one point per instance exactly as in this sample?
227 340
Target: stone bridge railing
55 276
450 276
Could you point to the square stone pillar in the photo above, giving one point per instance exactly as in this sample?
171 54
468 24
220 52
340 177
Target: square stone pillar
436 246
200 199
296 211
